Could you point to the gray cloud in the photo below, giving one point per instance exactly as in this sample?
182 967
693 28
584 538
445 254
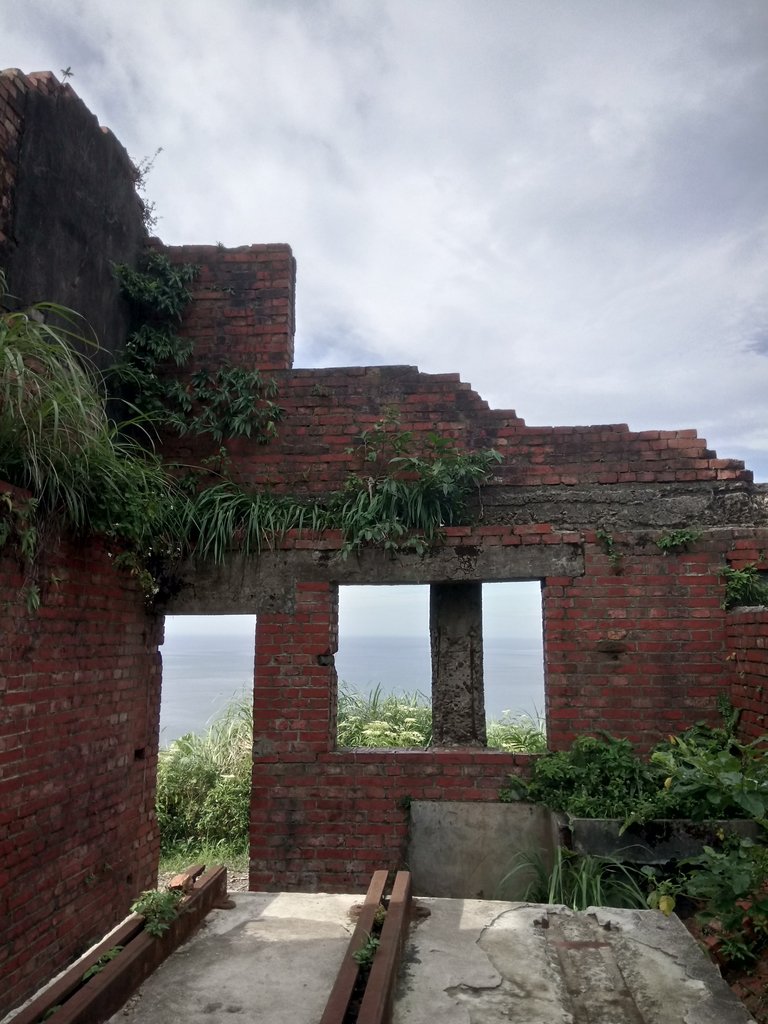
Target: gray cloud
567 203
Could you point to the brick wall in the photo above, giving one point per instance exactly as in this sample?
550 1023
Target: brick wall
639 648
323 819
748 645
79 720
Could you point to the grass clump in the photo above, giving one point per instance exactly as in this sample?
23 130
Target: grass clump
391 720
517 733
579 881
204 786
383 719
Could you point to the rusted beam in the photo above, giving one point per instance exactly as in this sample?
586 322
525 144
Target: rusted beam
108 990
376 1007
343 987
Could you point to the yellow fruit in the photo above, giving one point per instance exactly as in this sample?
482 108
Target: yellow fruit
666 905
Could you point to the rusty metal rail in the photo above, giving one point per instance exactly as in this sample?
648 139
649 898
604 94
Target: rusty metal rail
107 991
93 1001
376 1004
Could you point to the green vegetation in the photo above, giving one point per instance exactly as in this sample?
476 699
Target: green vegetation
745 586
225 401
363 957
677 540
102 962
401 500
517 733
204 785
579 881
608 543
701 774
92 475
704 774
159 909
383 720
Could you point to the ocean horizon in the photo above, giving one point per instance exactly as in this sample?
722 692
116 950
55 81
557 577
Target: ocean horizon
202 672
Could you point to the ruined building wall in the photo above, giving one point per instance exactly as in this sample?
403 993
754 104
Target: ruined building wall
72 212
748 643
635 640
79 678
79 710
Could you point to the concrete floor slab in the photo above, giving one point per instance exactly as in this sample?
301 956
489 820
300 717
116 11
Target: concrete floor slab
272 958
484 962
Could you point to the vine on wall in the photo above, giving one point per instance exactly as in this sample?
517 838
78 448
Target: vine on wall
223 401
93 476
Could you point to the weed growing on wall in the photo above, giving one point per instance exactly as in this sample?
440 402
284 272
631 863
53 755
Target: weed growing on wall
58 442
675 541
744 587
224 401
97 477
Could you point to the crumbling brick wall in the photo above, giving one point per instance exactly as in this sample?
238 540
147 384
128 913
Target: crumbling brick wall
79 710
748 643
635 640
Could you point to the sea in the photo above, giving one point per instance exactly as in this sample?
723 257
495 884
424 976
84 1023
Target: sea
203 671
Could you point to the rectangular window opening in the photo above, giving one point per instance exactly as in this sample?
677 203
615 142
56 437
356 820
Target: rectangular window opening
513 666
383 667
206 738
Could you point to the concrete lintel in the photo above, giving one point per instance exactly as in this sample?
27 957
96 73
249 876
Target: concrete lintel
266 582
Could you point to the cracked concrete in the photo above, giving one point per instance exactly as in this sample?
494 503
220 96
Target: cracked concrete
274 958
481 962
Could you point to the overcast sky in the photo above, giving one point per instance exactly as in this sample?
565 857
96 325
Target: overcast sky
566 201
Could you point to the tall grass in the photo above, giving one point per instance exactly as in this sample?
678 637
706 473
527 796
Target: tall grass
383 719
204 785
56 438
578 881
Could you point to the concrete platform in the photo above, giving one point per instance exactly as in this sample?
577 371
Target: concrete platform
485 962
275 956
272 959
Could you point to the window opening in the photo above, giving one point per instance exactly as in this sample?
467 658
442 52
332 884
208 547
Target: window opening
383 666
206 738
513 650
207 665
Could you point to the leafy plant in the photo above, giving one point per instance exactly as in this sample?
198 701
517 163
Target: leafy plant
225 401
677 540
732 881
159 909
664 891
596 778
615 557
579 881
363 957
102 962
413 496
728 781
745 586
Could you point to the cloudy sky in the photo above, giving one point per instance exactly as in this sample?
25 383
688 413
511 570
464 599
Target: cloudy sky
564 200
